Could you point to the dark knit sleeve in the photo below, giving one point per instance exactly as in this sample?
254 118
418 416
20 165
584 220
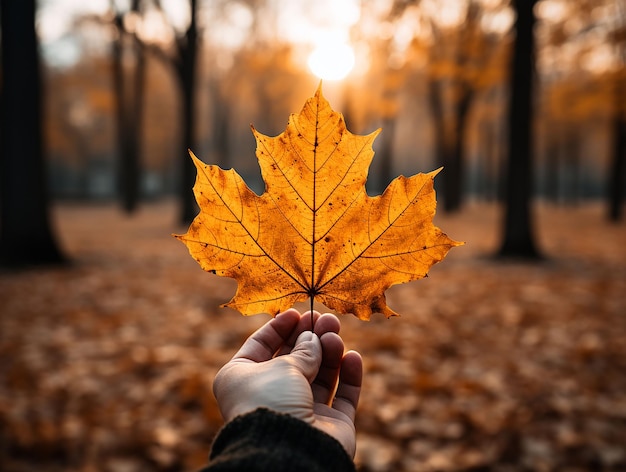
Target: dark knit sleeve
268 441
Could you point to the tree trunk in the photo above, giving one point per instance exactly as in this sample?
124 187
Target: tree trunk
129 111
187 72
454 194
26 236
385 153
617 173
449 141
117 70
518 239
221 127
435 102
133 166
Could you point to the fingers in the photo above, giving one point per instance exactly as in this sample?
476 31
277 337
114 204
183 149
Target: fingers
323 387
327 323
340 376
306 355
264 342
304 324
322 324
349 387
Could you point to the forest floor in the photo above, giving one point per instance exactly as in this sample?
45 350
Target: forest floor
106 365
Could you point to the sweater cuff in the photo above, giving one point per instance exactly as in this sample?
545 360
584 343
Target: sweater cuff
265 440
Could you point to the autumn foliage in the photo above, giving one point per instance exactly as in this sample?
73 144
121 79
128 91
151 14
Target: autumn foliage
314 232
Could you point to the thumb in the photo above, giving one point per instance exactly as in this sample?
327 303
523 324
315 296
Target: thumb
306 355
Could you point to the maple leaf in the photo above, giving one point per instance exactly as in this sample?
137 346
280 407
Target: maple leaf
314 232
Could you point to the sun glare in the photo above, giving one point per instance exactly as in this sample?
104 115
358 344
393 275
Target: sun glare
331 61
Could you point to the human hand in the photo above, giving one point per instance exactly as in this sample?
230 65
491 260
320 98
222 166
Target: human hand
286 368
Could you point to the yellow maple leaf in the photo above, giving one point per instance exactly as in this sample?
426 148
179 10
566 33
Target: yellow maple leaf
314 232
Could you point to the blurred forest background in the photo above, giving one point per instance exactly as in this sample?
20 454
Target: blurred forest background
109 333
131 85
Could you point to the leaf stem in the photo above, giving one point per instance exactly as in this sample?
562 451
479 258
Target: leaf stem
313 222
